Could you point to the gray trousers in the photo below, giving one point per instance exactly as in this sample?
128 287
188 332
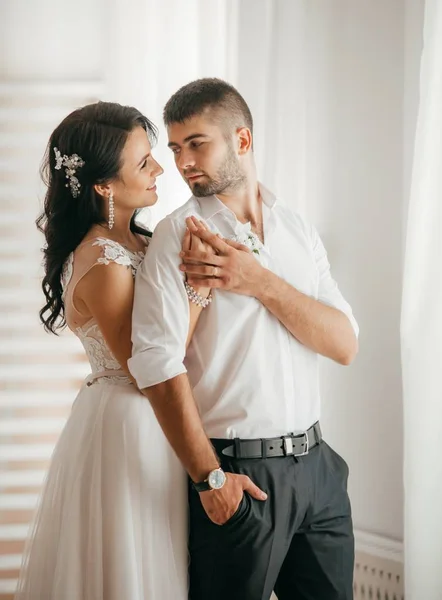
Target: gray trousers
299 542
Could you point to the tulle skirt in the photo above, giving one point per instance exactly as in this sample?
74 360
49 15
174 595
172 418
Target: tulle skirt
112 521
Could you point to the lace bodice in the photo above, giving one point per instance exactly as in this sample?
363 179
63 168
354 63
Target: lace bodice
99 251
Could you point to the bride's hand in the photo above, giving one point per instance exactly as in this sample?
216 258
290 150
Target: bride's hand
193 243
231 266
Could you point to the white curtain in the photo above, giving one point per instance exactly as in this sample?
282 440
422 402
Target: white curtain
260 46
421 332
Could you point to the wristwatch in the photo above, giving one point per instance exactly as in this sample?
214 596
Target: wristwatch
215 481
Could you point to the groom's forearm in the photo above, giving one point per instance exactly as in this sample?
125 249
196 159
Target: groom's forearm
177 414
324 329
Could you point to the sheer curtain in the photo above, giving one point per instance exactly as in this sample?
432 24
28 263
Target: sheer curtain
422 331
155 46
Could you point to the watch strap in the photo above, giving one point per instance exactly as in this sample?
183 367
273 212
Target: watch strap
202 486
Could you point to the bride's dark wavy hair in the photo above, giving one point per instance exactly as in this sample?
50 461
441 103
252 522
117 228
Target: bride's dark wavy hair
97 133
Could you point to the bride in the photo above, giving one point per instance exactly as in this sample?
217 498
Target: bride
107 526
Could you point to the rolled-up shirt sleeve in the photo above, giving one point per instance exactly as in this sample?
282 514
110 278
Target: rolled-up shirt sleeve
160 320
328 291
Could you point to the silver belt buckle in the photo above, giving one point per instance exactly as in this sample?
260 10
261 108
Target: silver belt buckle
305 444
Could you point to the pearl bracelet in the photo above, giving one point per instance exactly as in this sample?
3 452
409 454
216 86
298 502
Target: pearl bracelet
197 298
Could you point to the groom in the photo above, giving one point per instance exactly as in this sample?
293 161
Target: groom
245 400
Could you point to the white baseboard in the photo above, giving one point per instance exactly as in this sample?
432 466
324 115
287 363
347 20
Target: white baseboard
380 546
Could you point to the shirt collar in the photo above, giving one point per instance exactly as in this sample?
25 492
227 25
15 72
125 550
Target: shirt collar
211 205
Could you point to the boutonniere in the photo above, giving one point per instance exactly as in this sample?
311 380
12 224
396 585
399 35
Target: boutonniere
249 239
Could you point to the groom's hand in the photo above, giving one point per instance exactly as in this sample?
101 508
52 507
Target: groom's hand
222 504
233 267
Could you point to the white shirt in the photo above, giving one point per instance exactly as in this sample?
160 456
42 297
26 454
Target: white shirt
250 377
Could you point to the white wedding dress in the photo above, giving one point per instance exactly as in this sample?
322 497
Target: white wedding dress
112 518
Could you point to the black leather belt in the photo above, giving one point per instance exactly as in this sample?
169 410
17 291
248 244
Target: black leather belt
286 445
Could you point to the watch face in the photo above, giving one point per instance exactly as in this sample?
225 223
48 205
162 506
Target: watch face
216 479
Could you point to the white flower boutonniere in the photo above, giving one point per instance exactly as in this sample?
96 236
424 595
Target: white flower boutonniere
249 239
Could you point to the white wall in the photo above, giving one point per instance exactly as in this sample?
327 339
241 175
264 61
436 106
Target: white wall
357 206
370 103
413 41
49 40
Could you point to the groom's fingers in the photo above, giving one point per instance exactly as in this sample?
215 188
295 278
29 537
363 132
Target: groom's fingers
238 246
253 489
207 236
208 282
192 270
201 223
194 256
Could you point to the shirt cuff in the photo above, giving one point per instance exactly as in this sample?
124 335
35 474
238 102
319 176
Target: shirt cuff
150 368
354 323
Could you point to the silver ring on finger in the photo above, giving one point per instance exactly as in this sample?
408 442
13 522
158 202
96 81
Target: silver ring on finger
215 271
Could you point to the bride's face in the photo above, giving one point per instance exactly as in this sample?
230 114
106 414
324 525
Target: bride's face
135 185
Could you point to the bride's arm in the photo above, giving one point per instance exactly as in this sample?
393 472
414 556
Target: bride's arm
195 312
194 243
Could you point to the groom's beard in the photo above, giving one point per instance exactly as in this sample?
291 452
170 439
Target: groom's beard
228 178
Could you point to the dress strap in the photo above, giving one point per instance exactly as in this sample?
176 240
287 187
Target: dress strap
89 254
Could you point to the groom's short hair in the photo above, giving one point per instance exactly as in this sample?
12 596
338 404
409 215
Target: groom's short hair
220 100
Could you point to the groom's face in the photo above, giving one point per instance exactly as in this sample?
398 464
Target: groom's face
205 156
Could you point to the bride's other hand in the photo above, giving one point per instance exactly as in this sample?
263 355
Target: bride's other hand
193 243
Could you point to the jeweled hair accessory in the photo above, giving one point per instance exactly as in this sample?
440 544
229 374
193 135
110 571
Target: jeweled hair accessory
71 164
